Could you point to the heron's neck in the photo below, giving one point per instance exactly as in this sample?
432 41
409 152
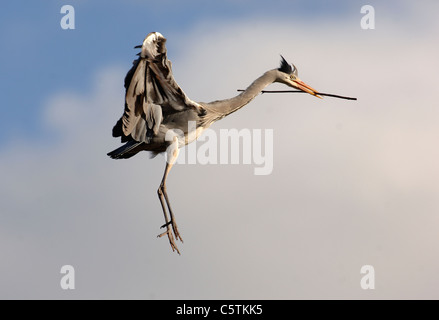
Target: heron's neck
228 106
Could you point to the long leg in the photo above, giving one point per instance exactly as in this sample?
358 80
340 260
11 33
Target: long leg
162 188
161 192
172 153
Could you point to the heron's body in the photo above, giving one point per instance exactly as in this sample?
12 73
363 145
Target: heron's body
184 119
159 117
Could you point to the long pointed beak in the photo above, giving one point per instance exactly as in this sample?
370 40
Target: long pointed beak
299 84
137 47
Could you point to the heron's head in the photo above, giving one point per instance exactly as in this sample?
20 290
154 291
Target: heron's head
288 75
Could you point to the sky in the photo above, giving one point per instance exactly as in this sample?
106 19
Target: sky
354 183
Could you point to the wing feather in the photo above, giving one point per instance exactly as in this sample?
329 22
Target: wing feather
152 92
134 99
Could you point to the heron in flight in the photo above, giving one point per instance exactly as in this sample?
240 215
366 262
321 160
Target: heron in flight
156 107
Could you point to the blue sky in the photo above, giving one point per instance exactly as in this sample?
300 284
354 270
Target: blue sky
353 183
38 57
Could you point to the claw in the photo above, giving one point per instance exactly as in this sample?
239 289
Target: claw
171 240
170 235
176 233
174 228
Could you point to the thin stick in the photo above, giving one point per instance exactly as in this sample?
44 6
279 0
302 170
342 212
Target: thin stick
298 91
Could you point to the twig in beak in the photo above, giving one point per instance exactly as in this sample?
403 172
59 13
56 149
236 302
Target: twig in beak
298 91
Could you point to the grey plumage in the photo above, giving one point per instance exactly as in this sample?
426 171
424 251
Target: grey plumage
155 104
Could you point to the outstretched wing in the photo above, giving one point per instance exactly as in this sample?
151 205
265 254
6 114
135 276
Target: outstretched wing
151 93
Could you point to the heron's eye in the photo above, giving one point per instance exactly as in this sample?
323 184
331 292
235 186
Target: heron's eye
293 77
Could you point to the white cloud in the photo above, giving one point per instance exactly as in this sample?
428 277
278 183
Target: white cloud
354 183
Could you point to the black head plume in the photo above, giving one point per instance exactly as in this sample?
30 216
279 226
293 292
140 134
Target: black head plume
286 67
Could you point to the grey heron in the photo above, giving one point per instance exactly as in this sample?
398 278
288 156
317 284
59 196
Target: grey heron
155 104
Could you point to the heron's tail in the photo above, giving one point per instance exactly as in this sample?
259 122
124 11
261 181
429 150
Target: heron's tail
128 150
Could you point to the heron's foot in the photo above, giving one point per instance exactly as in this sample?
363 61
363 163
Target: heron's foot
170 237
174 228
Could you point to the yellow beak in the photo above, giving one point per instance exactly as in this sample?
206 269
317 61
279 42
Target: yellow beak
299 84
